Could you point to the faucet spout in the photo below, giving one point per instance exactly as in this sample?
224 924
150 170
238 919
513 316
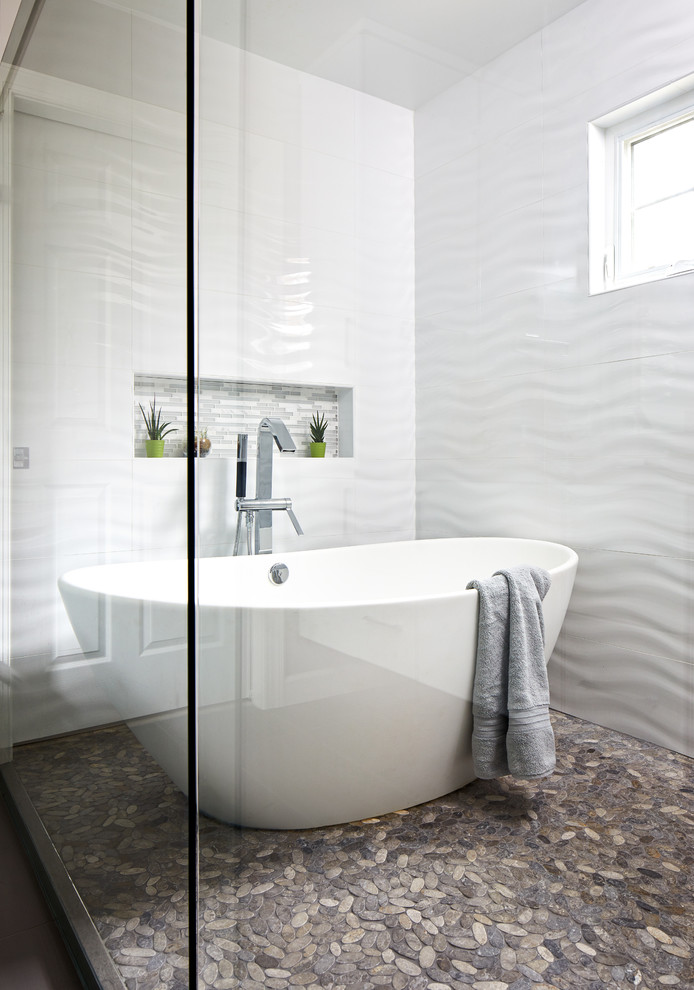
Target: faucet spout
279 432
269 429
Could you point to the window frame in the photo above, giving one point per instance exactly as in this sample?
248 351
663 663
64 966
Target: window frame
610 139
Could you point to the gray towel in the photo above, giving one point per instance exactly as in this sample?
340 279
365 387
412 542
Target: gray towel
510 703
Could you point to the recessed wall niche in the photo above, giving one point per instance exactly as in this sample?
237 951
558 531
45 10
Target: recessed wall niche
227 408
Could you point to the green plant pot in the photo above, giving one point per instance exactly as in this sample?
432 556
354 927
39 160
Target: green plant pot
154 448
317 450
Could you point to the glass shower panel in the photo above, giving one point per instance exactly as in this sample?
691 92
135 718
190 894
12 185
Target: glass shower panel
306 263
96 123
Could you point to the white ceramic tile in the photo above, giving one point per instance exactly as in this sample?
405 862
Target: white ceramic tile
222 82
510 337
328 117
565 236
510 88
332 261
159 326
446 358
83 42
272 98
326 192
81 507
62 221
624 407
608 685
501 418
84 413
267 179
70 317
633 601
159 169
447 198
384 505
448 273
159 63
220 245
158 127
158 238
250 337
511 251
565 147
323 506
84 152
385 279
446 508
598 41
447 127
654 519
215 504
511 169
384 135
384 206
159 503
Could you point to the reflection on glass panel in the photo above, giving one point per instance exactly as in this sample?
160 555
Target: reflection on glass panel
98 280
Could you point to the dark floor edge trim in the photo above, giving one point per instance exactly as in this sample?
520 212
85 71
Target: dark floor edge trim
94 965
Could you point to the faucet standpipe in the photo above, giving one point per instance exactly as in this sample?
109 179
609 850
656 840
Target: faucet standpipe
258 510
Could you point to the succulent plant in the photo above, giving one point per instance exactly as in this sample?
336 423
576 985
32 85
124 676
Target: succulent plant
317 428
156 430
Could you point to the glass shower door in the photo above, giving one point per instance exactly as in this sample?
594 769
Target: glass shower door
96 331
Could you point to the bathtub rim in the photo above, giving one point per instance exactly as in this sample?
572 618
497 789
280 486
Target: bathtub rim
78 579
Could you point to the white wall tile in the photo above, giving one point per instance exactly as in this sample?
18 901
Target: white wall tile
159 504
59 220
159 62
447 127
511 251
645 696
319 180
328 118
571 411
510 169
86 43
448 199
384 135
67 149
510 89
73 508
70 317
72 412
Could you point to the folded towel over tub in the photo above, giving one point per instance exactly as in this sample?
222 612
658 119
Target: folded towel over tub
512 732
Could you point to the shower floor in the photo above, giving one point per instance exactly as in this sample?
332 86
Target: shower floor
581 880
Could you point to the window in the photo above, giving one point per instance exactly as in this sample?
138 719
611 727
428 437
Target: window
642 190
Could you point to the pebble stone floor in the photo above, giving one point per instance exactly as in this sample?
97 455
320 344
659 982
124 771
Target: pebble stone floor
580 880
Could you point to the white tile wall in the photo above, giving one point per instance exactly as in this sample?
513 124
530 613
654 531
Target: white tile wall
297 174
542 411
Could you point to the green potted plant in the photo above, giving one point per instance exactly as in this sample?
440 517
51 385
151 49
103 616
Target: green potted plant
317 428
156 430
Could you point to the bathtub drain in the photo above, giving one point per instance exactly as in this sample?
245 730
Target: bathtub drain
278 573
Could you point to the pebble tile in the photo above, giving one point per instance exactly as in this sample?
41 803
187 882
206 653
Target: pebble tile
580 880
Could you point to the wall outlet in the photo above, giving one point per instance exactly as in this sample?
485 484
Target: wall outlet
20 457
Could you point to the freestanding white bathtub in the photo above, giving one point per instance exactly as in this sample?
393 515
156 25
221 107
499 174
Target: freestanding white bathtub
341 694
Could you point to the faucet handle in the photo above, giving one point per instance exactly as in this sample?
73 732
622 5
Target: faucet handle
295 521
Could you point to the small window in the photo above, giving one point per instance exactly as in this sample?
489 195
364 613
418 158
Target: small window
642 191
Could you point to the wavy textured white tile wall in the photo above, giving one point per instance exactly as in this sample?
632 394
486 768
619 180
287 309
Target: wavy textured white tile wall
297 173
544 412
